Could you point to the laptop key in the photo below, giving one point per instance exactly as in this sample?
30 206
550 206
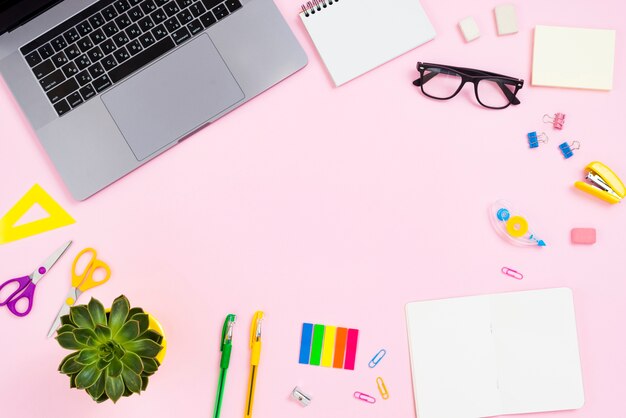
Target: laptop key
110 29
84 28
209 4
46 51
183 4
59 59
101 83
123 21
85 44
71 36
109 63
147 40
83 78
52 80
184 17
109 13
74 99
158 16
96 70
62 107
233 5
121 55
97 20
33 58
87 92
121 6
72 51
134 47
181 35
171 8
133 31
141 60
70 70
108 46
95 54
82 62
62 90
160 3
159 32
146 24
195 27
220 12
172 24
197 9
58 43
135 13
97 37
121 39
148 6
208 19
43 69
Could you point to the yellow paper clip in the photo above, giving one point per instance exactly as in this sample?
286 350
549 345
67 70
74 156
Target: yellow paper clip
384 393
602 182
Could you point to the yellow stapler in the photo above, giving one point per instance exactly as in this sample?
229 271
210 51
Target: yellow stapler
602 182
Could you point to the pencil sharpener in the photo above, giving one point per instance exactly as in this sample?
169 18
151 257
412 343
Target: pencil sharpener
300 396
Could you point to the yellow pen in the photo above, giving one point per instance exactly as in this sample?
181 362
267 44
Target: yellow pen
255 357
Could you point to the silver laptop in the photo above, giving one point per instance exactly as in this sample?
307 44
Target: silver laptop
108 85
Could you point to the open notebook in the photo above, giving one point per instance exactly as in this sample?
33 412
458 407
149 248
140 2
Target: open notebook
355 36
499 354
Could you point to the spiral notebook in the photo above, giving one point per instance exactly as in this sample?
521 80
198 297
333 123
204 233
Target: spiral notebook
356 36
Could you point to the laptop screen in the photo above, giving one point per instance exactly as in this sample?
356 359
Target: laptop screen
16 12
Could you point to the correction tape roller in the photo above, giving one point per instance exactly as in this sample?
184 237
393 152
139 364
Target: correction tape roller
512 226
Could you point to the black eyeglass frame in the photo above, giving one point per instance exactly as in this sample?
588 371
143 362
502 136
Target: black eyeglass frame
470 75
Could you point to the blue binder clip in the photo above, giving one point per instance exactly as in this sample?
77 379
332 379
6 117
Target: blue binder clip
534 139
568 149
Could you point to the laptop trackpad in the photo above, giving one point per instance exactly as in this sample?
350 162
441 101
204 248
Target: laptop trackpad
172 97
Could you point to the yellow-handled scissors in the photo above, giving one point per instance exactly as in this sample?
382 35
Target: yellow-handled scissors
81 282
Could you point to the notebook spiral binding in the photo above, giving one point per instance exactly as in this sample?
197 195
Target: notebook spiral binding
311 7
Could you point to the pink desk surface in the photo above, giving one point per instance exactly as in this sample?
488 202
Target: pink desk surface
335 206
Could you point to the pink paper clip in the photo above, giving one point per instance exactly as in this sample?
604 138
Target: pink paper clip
512 273
364 397
557 121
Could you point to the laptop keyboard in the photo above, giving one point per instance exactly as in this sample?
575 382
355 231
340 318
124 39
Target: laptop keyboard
95 49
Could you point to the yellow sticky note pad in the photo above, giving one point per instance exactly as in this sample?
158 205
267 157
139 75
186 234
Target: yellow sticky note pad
573 57
57 218
329 346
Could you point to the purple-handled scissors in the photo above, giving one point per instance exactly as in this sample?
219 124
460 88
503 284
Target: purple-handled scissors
27 284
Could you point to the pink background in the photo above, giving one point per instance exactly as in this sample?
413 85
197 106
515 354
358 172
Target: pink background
335 206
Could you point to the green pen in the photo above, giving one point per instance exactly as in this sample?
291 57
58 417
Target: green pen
226 348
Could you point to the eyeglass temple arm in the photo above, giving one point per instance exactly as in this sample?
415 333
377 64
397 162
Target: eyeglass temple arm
425 79
508 93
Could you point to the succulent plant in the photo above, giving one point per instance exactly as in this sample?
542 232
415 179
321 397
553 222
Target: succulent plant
115 352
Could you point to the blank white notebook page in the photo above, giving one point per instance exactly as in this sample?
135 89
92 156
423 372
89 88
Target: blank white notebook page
508 353
355 36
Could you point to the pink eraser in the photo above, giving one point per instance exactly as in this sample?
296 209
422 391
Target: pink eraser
584 236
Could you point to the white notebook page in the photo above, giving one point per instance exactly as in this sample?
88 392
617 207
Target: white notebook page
355 36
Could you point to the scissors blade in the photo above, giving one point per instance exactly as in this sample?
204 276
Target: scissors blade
65 310
51 261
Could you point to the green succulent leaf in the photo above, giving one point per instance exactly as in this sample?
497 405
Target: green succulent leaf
114 387
73 380
150 365
128 332
88 356
103 333
81 317
85 336
134 311
67 340
119 313
69 365
66 320
88 376
131 380
152 335
66 328
97 389
144 383
115 367
103 364
143 348
133 362
96 309
144 321
103 398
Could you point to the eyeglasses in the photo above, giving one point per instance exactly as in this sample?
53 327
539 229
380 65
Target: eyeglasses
443 82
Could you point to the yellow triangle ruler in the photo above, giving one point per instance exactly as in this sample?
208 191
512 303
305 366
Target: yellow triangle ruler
57 218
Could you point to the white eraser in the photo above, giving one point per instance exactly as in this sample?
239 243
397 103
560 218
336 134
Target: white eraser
469 28
506 19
